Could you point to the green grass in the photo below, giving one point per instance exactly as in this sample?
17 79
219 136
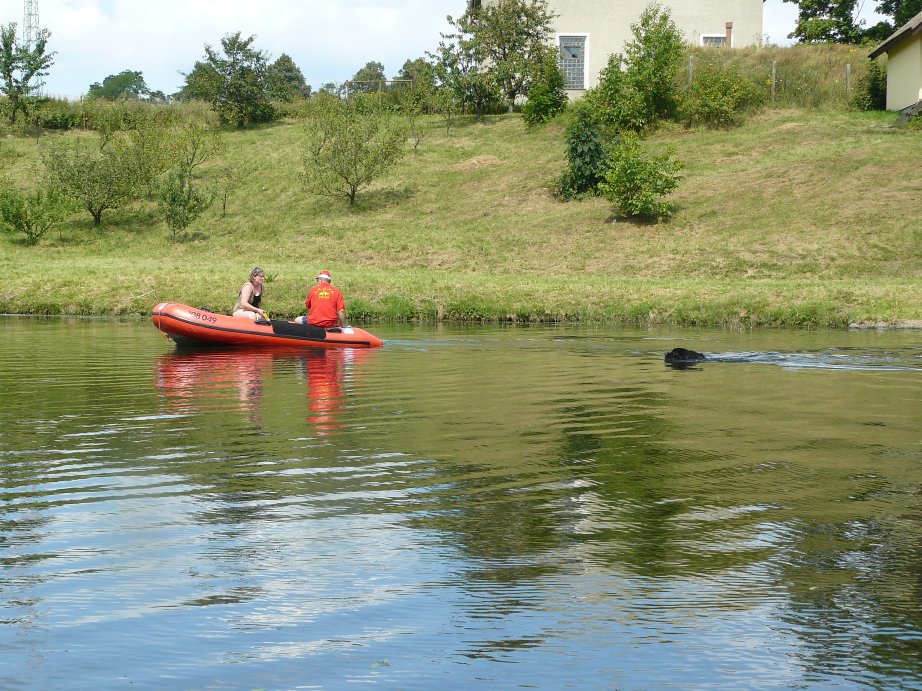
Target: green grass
798 218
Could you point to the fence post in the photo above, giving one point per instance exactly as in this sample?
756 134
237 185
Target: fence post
691 68
848 78
774 76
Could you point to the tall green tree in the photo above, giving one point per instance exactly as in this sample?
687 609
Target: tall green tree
349 144
96 179
637 89
900 11
21 66
125 84
368 79
286 81
510 39
465 84
653 56
235 80
827 21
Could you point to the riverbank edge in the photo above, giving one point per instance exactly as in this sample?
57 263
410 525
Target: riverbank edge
376 296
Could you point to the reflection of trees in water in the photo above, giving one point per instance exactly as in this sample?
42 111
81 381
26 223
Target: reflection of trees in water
248 477
200 381
17 533
849 581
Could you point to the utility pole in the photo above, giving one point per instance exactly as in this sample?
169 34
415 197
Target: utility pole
30 33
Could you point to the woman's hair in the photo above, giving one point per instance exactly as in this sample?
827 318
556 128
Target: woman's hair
256 271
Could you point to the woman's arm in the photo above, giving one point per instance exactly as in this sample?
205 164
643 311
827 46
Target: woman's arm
246 294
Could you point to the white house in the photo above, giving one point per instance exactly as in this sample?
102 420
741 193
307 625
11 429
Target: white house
904 64
589 31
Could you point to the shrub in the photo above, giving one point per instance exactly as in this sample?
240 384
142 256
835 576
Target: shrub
547 96
870 91
718 97
181 201
617 104
634 180
653 57
31 214
585 153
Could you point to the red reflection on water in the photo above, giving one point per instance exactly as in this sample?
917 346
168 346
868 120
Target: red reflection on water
193 381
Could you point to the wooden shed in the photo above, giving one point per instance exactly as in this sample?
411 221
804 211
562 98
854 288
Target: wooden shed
904 64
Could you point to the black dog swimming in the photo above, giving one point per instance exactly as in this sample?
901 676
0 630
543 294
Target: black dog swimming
684 356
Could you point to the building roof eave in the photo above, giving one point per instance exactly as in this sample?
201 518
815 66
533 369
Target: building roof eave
910 29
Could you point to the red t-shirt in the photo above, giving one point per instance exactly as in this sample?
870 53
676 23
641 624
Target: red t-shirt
323 303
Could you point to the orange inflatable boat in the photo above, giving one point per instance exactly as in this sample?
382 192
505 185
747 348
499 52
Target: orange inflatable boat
191 326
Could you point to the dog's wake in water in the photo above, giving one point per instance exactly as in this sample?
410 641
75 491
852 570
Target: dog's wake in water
833 358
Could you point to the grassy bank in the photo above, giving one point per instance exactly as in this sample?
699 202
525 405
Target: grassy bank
799 218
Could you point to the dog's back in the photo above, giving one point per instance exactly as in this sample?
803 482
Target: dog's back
684 355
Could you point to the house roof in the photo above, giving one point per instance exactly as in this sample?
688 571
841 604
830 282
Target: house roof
911 28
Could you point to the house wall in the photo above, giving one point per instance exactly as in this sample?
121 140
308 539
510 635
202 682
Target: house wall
904 74
606 24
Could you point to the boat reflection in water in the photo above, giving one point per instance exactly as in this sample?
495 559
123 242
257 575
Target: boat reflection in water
325 372
198 381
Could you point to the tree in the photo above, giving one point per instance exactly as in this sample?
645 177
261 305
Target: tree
547 95
125 84
236 83
414 85
31 214
616 102
653 57
900 10
509 39
181 201
586 152
827 21
348 145
635 180
20 65
152 143
203 83
195 143
331 89
369 79
286 81
464 83
95 179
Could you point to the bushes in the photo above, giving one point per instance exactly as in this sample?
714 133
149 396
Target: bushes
617 104
547 96
871 89
718 97
634 180
31 214
585 153
632 96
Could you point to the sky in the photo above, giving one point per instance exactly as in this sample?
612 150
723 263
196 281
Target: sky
330 40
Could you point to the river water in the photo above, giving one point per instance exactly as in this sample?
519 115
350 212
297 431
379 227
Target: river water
550 507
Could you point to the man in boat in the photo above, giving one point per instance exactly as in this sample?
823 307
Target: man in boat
325 304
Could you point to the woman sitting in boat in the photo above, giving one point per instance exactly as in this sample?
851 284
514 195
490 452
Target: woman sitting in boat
251 295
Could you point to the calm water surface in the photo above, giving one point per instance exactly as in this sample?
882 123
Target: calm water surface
466 507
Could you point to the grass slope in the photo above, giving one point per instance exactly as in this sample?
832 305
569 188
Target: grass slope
798 218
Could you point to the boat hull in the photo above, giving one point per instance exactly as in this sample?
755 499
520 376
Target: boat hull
190 326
